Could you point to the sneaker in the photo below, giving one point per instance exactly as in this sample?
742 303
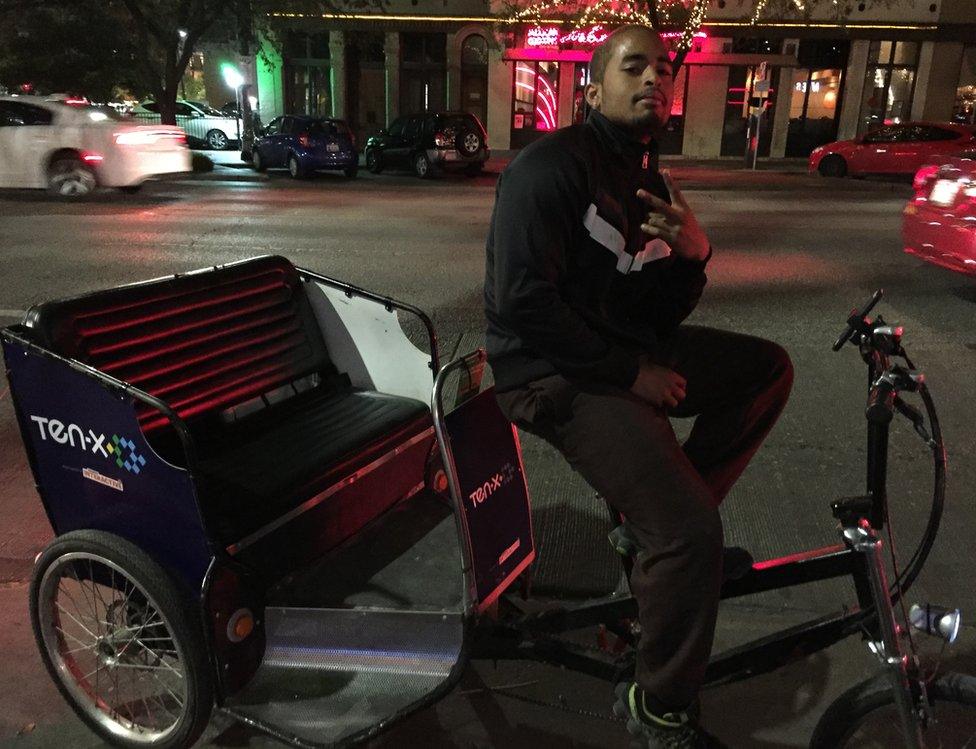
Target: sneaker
677 730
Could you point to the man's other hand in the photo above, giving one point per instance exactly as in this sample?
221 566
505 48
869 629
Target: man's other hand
675 224
658 385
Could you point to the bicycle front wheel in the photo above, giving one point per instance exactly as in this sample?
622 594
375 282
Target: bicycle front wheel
865 716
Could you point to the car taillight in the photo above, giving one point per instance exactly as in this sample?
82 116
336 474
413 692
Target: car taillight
92 158
303 139
443 140
923 176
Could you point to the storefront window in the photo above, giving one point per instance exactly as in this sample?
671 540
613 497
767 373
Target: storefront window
964 110
307 73
423 72
746 97
813 109
889 85
535 100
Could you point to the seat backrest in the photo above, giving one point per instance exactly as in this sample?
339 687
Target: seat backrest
201 342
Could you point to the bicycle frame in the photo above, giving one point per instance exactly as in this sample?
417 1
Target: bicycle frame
534 635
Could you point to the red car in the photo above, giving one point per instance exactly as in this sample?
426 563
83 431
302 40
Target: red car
893 149
940 221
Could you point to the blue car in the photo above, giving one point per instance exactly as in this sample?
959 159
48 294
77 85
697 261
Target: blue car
304 144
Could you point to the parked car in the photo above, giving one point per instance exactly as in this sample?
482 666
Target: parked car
304 145
202 126
939 222
892 149
429 142
72 150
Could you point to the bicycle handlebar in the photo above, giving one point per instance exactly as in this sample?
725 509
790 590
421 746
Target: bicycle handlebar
856 320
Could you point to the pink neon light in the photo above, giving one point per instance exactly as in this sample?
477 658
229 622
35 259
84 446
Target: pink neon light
550 36
545 98
550 102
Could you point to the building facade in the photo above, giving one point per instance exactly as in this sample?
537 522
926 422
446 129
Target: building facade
806 82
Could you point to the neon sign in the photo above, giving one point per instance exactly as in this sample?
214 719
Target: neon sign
549 36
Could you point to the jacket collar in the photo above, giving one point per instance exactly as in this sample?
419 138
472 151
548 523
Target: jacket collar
620 142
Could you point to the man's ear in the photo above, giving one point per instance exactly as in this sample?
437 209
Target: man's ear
593 93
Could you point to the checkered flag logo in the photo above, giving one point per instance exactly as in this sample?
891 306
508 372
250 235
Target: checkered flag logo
125 454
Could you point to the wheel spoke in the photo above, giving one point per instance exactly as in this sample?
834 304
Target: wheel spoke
65 611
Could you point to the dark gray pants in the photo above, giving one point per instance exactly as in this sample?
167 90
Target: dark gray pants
626 449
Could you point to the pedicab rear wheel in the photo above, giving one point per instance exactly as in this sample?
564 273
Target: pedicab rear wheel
122 642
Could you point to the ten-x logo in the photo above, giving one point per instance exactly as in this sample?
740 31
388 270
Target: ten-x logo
119 449
504 475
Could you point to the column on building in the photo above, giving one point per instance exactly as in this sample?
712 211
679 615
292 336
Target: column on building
567 90
271 95
337 73
499 99
857 70
936 80
705 108
783 84
391 48
452 71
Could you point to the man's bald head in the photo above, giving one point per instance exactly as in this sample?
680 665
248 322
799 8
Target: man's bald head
632 80
603 52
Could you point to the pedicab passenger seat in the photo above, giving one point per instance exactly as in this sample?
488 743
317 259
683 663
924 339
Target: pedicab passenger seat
238 354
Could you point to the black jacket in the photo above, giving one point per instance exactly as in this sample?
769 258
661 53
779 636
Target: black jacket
572 285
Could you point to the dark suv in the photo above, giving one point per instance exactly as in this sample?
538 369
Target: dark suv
429 142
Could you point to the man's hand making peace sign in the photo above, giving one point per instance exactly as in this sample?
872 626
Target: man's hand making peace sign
675 224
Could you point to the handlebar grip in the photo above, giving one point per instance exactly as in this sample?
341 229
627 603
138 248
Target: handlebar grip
855 317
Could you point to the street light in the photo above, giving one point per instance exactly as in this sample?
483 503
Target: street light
234 79
182 34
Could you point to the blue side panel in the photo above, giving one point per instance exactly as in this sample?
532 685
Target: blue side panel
95 470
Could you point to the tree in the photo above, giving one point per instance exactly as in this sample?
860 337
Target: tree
42 46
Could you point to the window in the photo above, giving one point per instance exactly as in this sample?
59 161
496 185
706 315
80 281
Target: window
151 106
185 110
474 51
412 129
287 125
936 133
889 85
424 49
274 127
964 109
535 97
886 135
17 114
396 129
300 45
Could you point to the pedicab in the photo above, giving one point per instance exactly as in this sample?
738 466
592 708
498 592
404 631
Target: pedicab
270 499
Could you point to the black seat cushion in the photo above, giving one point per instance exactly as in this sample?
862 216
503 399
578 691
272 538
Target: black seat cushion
278 459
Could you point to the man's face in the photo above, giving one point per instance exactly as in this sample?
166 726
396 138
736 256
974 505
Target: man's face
638 84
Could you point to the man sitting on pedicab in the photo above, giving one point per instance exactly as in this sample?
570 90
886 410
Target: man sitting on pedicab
594 260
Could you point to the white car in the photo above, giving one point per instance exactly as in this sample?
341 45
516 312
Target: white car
202 124
72 150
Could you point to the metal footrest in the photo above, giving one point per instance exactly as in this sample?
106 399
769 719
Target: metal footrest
335 675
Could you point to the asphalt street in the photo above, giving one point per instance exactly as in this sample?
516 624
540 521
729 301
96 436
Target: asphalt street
793 254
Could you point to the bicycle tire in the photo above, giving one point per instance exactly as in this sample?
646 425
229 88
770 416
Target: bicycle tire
179 624
874 699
